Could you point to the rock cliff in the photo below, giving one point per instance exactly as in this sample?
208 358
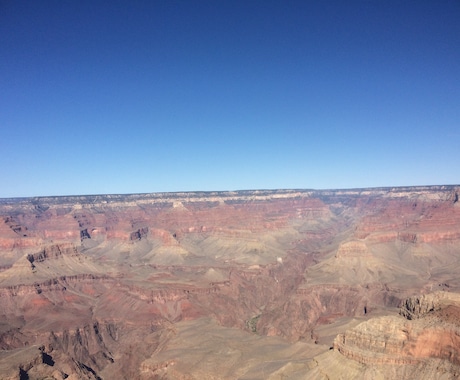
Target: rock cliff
427 332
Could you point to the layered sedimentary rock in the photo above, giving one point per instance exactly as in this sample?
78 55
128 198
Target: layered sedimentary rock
426 334
85 279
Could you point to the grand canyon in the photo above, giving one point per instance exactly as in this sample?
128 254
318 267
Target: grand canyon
268 284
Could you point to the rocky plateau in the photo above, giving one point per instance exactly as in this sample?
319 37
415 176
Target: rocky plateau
268 284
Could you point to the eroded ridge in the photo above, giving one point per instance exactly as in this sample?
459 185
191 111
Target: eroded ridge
427 329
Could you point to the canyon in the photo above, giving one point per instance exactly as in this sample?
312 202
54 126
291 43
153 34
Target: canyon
262 284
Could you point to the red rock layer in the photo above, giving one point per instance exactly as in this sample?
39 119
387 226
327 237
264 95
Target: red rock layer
433 332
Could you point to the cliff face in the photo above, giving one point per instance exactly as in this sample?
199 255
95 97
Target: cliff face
426 332
83 279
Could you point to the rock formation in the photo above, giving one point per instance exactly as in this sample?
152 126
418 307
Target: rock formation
426 334
142 286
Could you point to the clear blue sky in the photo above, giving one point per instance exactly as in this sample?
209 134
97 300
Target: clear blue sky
145 96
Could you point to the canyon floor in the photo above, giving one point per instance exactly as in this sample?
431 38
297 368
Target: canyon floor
269 284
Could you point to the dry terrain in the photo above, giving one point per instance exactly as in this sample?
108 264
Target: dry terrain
270 284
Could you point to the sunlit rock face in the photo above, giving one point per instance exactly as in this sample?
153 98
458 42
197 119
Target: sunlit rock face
147 286
424 338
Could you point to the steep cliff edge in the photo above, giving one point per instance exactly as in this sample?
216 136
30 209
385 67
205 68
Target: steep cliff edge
426 331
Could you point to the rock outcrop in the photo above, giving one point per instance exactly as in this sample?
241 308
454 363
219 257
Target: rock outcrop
427 330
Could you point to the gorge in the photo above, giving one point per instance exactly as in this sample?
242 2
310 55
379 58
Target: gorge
263 284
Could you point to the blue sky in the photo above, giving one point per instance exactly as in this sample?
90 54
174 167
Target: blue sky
146 96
